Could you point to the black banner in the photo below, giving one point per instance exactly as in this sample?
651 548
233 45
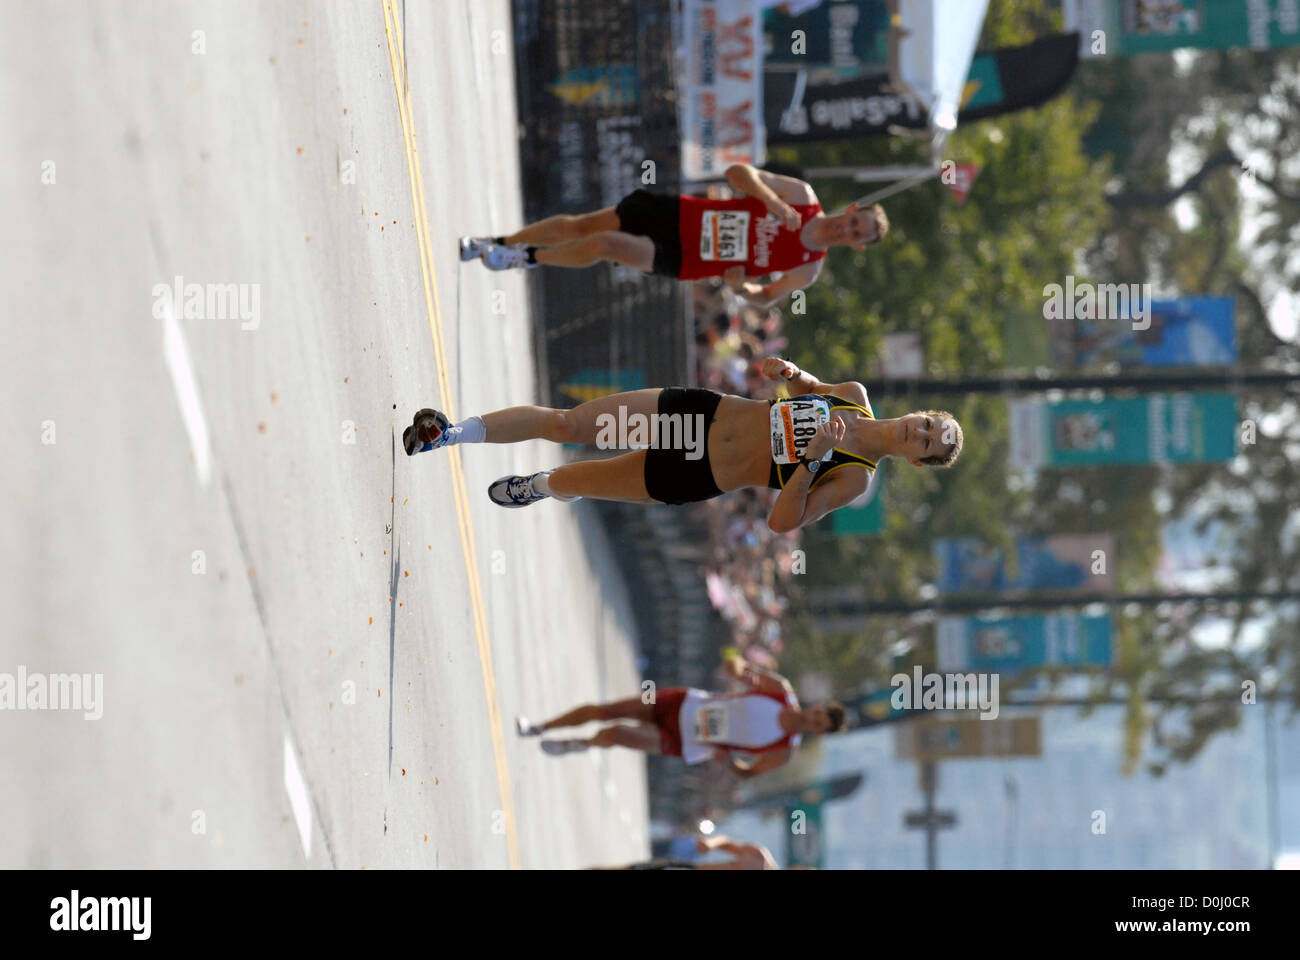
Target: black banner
799 112
1000 81
1012 78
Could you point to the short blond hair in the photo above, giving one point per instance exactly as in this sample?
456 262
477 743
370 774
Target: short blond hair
882 221
949 457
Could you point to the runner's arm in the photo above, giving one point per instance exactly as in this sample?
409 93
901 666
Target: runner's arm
768 295
768 761
749 180
760 679
728 845
802 382
773 191
797 507
717 842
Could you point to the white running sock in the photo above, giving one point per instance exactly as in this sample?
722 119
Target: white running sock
467 431
542 487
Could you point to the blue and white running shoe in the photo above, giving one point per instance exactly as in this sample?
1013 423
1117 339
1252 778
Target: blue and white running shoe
525 728
473 247
428 431
507 258
515 491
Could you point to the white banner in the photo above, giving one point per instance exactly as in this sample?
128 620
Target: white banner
902 356
722 87
1028 446
952 646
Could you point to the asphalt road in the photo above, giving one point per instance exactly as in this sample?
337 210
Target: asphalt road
206 504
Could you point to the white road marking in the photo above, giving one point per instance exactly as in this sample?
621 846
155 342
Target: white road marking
476 31
610 789
187 393
297 789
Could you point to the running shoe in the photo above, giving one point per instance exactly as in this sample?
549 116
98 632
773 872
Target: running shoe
558 748
507 258
428 431
472 247
526 729
515 491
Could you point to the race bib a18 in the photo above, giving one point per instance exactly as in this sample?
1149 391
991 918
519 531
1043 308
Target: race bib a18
711 723
724 235
794 423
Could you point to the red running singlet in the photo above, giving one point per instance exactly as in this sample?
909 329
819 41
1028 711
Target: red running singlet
717 235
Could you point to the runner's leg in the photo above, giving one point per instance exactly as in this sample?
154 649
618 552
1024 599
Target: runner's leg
644 737
563 227
618 478
624 248
578 425
629 709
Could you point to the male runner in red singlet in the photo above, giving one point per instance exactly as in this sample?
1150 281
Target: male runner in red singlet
774 225
766 721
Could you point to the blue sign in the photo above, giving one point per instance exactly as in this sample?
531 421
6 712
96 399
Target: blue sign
1011 644
1062 562
1187 332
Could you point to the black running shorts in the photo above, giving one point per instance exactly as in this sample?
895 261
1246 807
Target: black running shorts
669 476
647 214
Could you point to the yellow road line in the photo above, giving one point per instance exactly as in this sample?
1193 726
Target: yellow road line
393 33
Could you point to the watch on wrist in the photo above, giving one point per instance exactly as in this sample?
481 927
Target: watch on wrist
812 465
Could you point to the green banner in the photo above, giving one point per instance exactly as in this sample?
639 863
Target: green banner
1007 645
848 37
863 519
805 849
1157 26
1156 428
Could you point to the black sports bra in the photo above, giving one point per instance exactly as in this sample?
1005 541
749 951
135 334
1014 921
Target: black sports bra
782 472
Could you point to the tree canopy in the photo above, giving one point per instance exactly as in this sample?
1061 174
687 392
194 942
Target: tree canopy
1135 174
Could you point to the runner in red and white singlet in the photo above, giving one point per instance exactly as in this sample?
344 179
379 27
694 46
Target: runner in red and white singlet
774 226
765 722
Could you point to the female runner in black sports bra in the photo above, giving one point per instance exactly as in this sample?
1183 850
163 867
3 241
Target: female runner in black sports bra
819 447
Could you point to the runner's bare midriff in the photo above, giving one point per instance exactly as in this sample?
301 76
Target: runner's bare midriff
740 448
